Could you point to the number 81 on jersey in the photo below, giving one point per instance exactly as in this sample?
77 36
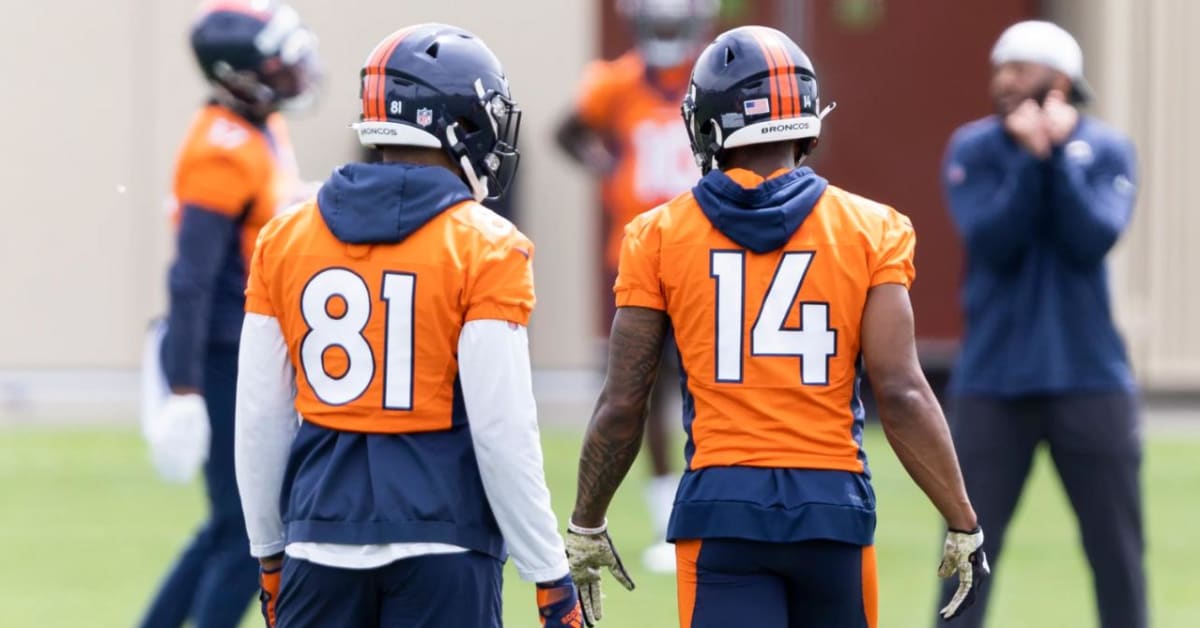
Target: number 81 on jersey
327 330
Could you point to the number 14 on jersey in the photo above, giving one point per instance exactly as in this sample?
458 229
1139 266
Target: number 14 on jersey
813 341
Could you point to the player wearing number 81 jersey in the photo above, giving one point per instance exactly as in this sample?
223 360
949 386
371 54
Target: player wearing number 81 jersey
778 287
390 314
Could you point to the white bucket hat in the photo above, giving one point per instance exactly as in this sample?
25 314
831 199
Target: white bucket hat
1045 43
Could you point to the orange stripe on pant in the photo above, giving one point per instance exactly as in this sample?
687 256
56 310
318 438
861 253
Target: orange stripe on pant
870 586
686 553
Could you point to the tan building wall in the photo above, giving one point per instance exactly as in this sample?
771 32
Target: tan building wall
94 117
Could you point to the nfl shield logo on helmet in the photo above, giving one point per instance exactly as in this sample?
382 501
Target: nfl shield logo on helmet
424 117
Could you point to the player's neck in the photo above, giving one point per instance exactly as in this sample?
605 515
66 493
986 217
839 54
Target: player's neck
417 157
763 159
254 115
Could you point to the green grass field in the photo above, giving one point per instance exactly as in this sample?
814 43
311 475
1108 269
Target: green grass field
86 530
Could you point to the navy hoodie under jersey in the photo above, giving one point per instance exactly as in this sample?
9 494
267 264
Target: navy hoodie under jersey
1036 295
358 488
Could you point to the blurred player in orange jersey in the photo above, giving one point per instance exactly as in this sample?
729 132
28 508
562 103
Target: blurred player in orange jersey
625 129
235 170
389 316
778 287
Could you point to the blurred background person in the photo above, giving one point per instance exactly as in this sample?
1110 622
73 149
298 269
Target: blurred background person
1040 193
235 170
625 129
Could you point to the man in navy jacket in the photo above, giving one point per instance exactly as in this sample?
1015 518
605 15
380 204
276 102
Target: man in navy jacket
1040 194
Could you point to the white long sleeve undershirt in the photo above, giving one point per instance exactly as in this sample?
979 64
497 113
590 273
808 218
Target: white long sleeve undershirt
502 418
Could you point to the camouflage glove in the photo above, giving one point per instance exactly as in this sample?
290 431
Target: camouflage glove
963 555
589 550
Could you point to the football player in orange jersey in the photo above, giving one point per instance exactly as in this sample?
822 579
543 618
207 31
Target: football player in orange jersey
625 129
778 287
389 316
235 170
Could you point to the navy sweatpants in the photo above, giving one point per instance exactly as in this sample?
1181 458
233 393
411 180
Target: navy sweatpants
433 591
751 584
214 580
1095 443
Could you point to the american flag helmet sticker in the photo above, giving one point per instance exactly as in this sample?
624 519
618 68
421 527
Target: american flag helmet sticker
757 106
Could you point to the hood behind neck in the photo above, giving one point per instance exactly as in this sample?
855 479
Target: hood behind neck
761 218
384 203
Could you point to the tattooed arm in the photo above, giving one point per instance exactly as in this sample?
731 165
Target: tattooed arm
614 434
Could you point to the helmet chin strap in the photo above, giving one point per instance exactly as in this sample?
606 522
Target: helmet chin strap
479 187
718 145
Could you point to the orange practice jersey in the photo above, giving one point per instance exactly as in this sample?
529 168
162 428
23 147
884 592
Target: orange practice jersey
372 329
769 342
230 166
643 123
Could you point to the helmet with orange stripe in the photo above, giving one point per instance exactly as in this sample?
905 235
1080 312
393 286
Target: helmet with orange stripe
439 86
752 85
257 54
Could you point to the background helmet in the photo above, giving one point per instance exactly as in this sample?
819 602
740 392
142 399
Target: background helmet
256 53
439 86
752 85
669 32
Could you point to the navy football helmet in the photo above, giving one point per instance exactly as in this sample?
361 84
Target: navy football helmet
752 85
257 54
439 86
669 32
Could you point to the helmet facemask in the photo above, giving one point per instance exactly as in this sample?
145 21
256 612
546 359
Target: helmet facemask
487 152
703 135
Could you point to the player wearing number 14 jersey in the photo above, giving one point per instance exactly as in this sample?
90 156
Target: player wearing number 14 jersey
778 287
625 128
390 315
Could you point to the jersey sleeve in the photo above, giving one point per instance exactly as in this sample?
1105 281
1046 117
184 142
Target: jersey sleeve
639 282
222 181
501 282
893 254
258 297
595 96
